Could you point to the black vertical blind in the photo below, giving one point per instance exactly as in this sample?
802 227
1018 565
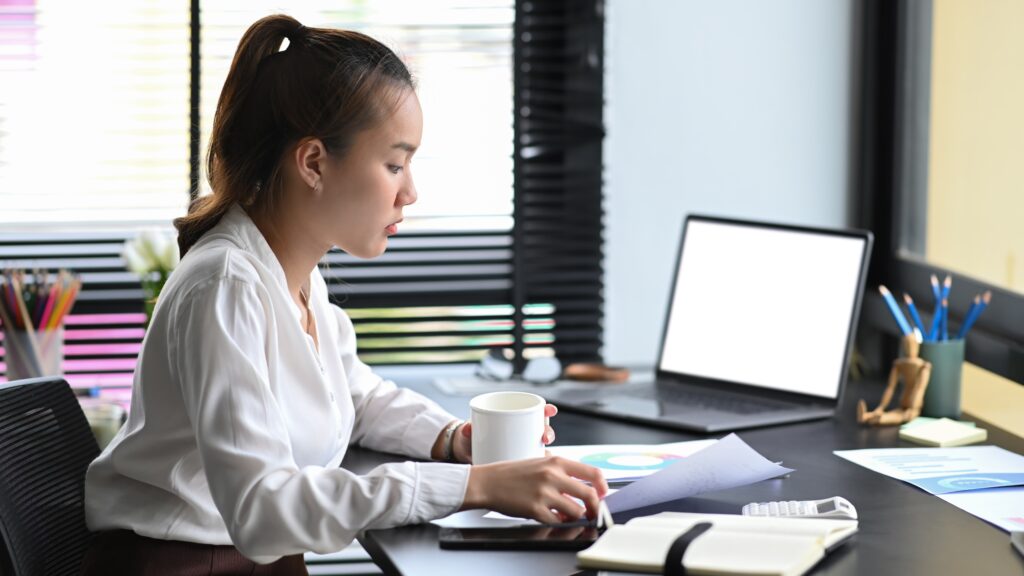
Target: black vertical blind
557 235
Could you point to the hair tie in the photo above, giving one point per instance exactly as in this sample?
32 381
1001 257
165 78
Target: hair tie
300 32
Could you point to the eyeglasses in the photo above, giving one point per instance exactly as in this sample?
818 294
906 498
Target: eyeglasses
497 366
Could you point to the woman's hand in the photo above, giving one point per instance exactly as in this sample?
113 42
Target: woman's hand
540 488
462 449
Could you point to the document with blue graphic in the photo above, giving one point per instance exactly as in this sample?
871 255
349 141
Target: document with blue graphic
944 470
985 481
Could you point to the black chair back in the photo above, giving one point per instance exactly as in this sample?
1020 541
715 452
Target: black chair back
46 446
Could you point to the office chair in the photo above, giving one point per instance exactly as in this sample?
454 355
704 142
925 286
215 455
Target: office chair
45 447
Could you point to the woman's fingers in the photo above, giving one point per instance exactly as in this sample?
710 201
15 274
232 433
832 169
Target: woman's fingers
566 507
467 429
580 491
549 435
588 473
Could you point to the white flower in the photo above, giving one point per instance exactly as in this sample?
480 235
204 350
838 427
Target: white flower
136 263
151 251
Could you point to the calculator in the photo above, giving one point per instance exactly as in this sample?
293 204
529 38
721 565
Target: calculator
835 507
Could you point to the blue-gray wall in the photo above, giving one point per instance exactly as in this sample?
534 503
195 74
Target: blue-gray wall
729 107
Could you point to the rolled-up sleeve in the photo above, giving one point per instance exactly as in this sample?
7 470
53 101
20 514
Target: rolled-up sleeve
270 506
388 418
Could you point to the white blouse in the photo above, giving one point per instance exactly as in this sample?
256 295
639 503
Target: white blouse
238 425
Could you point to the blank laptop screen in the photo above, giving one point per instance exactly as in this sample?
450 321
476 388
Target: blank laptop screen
762 306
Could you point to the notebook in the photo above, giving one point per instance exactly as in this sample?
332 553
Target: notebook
758 331
732 545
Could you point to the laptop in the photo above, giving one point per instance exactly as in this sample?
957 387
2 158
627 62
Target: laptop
759 329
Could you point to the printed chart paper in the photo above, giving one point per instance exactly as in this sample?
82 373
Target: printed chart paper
944 470
625 462
986 481
727 463
1003 507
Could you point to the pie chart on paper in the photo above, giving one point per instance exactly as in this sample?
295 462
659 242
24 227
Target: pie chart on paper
631 461
628 462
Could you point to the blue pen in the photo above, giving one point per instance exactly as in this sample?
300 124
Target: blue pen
895 310
913 312
976 311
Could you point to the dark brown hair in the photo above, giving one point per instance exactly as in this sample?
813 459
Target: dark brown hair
328 84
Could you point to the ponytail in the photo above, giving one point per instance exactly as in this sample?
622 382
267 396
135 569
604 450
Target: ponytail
328 84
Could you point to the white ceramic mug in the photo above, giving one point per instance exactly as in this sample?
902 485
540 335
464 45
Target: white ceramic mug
507 426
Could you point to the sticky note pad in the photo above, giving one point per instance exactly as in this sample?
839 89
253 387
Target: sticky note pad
925 420
944 432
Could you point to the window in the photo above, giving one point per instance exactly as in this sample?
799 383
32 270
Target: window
503 247
975 185
940 156
460 54
93 113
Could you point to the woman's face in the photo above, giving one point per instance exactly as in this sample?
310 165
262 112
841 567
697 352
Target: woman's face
364 192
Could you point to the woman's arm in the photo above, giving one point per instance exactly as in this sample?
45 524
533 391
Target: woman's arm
269 505
388 418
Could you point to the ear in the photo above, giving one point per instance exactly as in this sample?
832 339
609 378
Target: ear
309 158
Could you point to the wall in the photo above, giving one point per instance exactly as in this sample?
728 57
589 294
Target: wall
735 108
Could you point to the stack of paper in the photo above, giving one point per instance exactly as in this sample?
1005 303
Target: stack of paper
943 432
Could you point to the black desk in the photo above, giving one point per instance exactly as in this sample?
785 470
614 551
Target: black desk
903 530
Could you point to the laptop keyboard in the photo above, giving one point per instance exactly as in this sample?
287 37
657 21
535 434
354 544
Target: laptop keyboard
710 401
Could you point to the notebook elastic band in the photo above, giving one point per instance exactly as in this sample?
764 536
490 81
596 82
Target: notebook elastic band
674 559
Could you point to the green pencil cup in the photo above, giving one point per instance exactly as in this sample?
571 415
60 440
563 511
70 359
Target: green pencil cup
942 397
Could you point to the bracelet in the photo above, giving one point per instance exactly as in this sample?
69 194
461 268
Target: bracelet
449 440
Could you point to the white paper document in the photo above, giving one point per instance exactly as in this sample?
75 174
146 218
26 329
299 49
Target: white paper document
986 481
1003 507
727 463
944 470
625 462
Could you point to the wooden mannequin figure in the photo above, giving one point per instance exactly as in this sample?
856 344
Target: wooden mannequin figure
915 373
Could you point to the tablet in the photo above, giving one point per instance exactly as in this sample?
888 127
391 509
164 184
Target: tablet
530 537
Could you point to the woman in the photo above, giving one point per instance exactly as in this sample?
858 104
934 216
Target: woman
248 390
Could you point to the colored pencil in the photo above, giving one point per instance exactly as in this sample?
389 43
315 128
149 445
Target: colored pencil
935 289
30 332
945 319
967 317
64 306
982 303
894 309
11 342
51 300
913 312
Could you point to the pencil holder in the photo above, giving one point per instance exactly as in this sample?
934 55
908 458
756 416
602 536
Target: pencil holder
35 354
942 397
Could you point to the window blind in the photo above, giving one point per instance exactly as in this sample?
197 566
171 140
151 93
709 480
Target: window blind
459 278
93 113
